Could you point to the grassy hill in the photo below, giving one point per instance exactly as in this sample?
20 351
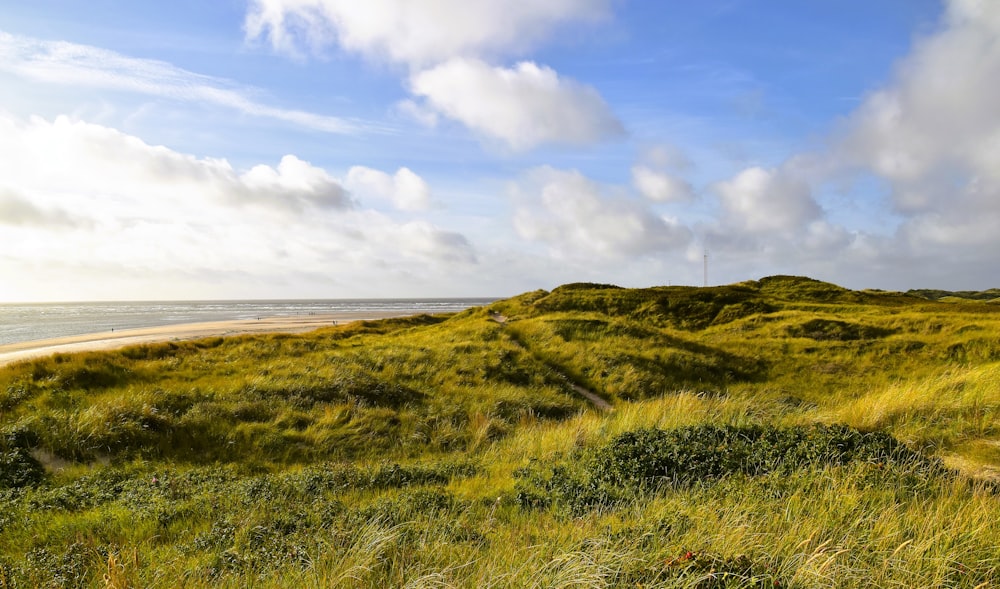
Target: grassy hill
776 433
990 295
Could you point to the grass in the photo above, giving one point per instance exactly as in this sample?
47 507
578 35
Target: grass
775 433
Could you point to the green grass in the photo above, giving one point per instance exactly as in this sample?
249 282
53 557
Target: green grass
775 433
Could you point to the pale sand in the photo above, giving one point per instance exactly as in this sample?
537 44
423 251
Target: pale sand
120 338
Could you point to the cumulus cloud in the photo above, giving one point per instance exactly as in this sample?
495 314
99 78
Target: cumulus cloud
71 64
522 106
660 186
296 182
415 32
657 175
406 190
761 201
933 132
118 209
578 217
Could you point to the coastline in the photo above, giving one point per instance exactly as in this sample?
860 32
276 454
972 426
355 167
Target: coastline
120 338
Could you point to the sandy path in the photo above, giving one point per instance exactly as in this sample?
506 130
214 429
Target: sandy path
120 338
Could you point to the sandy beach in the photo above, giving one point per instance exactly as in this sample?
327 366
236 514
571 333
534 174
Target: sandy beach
120 338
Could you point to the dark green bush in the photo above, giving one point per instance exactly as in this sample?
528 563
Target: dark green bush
646 460
702 453
406 507
19 469
831 329
316 479
42 567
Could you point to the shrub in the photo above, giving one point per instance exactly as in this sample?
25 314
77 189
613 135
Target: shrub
707 452
829 329
645 460
19 469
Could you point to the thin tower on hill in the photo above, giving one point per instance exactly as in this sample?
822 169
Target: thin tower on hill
706 267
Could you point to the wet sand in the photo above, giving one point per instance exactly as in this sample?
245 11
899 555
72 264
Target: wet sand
120 338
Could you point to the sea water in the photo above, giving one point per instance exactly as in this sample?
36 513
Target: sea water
28 322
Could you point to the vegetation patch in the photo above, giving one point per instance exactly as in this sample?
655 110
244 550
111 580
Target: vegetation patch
680 307
832 329
648 460
19 469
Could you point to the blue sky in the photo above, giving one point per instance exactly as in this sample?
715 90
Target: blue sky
329 148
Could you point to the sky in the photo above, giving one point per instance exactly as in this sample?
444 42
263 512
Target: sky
255 149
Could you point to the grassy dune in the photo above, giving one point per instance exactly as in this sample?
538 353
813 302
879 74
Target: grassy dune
775 433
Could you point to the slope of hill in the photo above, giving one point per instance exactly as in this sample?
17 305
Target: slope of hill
989 295
780 432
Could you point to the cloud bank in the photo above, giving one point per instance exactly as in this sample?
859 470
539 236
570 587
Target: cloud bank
86 198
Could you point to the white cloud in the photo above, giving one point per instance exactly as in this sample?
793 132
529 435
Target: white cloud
70 64
762 201
955 231
406 190
415 32
579 218
660 186
657 175
295 182
522 106
933 132
824 238
100 161
85 204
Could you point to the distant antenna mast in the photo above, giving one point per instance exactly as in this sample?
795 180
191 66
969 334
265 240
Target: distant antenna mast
706 267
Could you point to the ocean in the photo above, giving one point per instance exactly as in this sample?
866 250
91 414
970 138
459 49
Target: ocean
22 322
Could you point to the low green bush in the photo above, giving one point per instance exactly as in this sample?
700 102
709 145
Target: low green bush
831 329
651 457
19 469
647 460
